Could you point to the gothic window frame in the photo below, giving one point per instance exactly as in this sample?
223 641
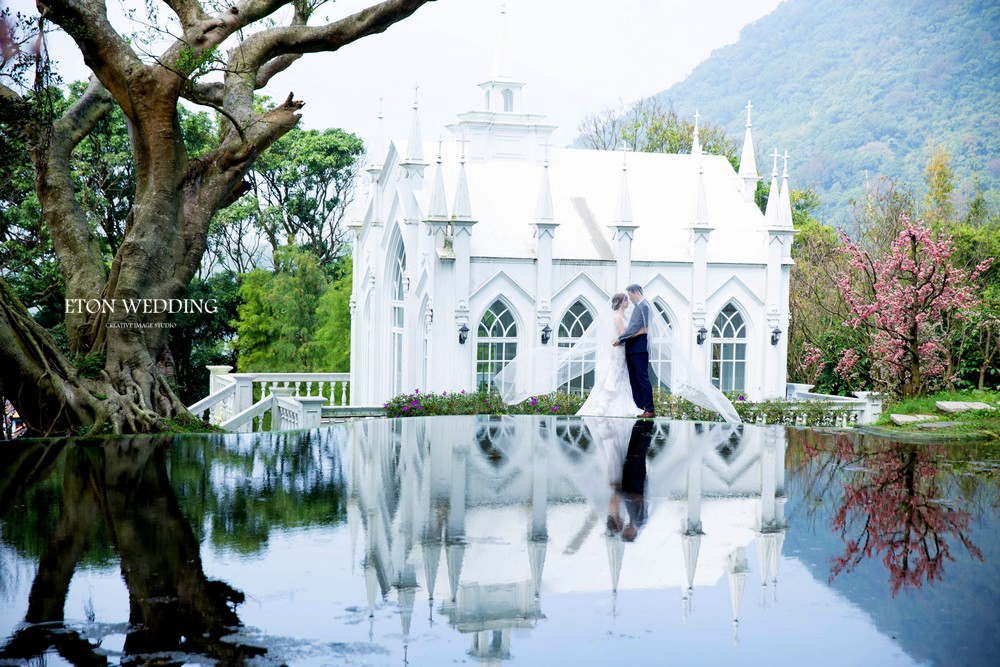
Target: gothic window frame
729 349
496 342
571 327
660 364
397 320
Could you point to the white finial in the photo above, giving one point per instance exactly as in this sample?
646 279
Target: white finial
784 173
416 89
440 143
748 108
774 170
696 140
696 119
501 58
463 141
415 147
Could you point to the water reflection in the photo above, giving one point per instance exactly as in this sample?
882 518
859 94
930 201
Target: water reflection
476 539
120 488
485 501
895 502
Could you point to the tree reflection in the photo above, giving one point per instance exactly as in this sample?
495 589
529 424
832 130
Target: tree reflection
123 486
891 500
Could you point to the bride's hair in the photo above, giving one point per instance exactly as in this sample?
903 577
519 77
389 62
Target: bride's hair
617 300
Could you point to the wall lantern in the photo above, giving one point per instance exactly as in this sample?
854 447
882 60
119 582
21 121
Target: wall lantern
546 334
463 334
702 335
775 336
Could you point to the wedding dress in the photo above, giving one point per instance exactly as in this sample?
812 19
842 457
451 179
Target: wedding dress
611 395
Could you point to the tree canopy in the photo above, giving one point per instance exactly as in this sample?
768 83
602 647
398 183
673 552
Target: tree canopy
215 57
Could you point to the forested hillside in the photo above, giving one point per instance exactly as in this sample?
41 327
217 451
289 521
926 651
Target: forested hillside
862 88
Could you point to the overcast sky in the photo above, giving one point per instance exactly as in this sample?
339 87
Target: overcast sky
576 57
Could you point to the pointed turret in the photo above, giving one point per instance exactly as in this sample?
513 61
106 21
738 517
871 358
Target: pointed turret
737 581
771 212
695 138
748 162
543 208
438 208
701 200
461 210
623 211
785 199
377 153
415 147
502 68
616 549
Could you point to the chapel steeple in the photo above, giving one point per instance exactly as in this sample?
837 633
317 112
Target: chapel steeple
501 128
771 212
748 162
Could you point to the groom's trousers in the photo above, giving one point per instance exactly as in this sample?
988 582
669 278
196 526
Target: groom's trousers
638 377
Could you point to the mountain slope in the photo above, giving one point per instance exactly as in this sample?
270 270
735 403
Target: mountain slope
861 87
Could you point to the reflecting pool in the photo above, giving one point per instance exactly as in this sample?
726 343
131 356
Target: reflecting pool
513 540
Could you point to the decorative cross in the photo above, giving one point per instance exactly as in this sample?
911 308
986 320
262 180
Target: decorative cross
696 119
463 141
749 107
416 87
785 172
774 171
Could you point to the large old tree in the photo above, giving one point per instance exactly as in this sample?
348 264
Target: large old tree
176 195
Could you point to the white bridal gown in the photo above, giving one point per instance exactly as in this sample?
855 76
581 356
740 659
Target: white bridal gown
612 392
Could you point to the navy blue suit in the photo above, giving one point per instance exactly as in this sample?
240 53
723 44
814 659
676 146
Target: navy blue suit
637 356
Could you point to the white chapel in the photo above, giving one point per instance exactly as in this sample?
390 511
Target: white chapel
480 246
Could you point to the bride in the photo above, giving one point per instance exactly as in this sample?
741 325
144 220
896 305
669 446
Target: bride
542 370
612 393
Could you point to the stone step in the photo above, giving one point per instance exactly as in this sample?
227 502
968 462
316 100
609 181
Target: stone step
962 406
938 424
910 419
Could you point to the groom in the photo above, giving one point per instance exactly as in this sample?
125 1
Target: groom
637 351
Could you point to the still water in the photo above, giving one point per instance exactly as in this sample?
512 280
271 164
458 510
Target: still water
515 540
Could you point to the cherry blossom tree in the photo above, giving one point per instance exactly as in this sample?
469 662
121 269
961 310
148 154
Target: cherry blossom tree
898 298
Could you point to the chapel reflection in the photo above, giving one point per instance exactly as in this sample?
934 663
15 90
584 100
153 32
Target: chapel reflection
119 489
515 506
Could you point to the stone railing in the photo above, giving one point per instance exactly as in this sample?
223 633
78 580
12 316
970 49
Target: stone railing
865 409
248 402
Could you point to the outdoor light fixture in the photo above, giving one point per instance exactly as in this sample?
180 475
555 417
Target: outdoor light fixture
546 334
702 335
775 336
463 334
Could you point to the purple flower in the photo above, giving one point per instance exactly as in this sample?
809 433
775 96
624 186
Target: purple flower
414 402
741 398
416 391
534 401
444 393
406 408
463 392
555 408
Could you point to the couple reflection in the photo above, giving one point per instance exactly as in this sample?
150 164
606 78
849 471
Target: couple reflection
625 444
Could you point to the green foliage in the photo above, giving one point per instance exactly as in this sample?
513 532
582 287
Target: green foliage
90 365
980 422
479 403
277 316
856 87
330 345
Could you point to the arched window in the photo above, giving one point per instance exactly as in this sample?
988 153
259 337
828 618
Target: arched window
508 99
398 321
576 320
487 101
496 343
659 358
729 350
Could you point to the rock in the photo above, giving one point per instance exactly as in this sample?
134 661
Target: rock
962 406
910 419
938 424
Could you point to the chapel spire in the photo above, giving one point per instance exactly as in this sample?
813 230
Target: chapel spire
771 212
415 145
701 199
377 150
543 208
623 211
502 68
438 208
785 199
748 162
462 208
695 139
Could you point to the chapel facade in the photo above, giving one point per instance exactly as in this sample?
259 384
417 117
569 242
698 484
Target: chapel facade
472 249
